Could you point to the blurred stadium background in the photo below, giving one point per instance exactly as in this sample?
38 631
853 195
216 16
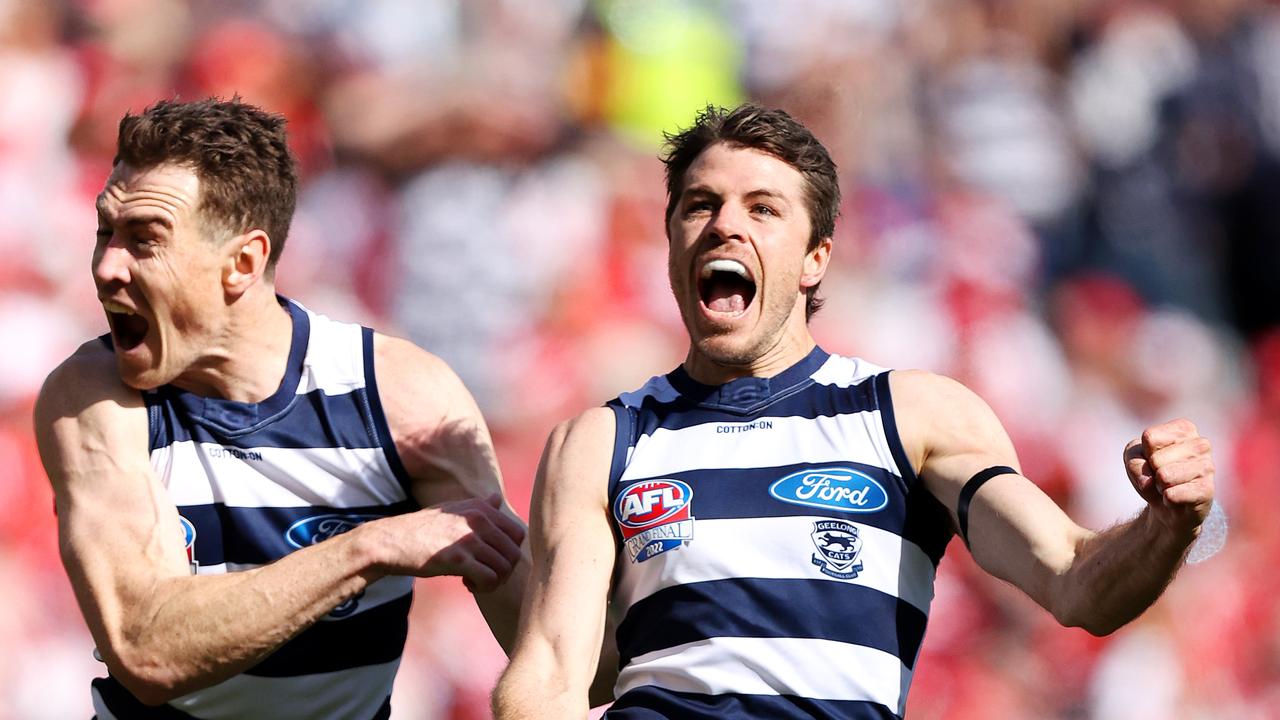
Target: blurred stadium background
1072 207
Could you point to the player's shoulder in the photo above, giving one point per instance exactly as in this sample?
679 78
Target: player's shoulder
84 379
85 408
420 395
396 355
934 411
408 371
589 424
585 438
927 391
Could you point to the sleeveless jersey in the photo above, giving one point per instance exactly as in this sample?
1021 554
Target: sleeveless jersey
776 550
255 481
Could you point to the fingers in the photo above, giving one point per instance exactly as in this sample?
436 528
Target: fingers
1170 433
1138 467
482 568
509 524
1171 466
476 539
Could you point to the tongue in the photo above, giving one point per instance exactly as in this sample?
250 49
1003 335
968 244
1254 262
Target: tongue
727 297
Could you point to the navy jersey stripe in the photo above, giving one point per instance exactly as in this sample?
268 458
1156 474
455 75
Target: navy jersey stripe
744 493
372 637
770 608
123 704
655 703
314 420
373 402
259 535
816 401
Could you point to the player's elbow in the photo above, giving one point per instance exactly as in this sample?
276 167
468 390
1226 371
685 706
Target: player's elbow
1094 623
525 693
147 676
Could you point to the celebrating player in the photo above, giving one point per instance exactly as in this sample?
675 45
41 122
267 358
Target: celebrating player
765 521
245 489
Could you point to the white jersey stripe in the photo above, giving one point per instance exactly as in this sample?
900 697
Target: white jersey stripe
772 666
338 695
853 437
276 477
329 365
845 372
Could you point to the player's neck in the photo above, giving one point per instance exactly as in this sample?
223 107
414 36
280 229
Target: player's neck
249 358
792 346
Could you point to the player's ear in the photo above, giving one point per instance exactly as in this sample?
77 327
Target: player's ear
815 264
246 261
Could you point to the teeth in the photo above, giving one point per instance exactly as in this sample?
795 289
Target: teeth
724 265
114 307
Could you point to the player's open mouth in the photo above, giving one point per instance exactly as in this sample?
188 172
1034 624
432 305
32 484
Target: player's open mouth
726 286
128 329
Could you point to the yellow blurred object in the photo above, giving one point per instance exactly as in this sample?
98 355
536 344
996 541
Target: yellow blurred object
664 61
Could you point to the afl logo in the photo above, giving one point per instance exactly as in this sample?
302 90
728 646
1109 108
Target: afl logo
648 503
834 488
189 541
654 516
317 528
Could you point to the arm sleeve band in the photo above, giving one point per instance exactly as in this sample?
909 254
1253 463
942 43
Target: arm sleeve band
971 487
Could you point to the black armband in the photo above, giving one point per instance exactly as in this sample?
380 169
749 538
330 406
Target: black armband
971 487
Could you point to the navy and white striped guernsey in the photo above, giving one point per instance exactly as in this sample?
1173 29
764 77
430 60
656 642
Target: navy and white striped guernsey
255 481
776 550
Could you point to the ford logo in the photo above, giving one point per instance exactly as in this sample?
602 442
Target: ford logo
309 531
831 488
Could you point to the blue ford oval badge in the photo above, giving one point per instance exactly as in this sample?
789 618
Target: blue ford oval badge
309 531
834 488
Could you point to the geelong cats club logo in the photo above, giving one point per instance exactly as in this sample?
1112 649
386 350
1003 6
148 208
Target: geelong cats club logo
838 547
654 517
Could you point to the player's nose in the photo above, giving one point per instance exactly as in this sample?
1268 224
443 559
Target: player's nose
728 224
112 263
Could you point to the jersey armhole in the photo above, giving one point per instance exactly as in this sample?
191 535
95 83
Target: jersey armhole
379 428
623 438
884 401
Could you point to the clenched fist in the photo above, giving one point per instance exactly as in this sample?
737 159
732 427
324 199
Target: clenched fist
1171 467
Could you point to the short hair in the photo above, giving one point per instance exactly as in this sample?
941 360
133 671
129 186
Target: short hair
770 131
248 176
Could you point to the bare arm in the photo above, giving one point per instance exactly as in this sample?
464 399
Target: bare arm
1098 581
445 446
162 631
564 614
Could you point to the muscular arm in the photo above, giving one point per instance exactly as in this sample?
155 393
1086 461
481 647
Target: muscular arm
1098 581
162 631
446 449
573 550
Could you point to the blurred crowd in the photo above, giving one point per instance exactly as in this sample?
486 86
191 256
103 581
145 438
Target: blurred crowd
1073 207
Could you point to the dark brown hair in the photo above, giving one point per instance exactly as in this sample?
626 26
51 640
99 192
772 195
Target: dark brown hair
771 131
248 177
